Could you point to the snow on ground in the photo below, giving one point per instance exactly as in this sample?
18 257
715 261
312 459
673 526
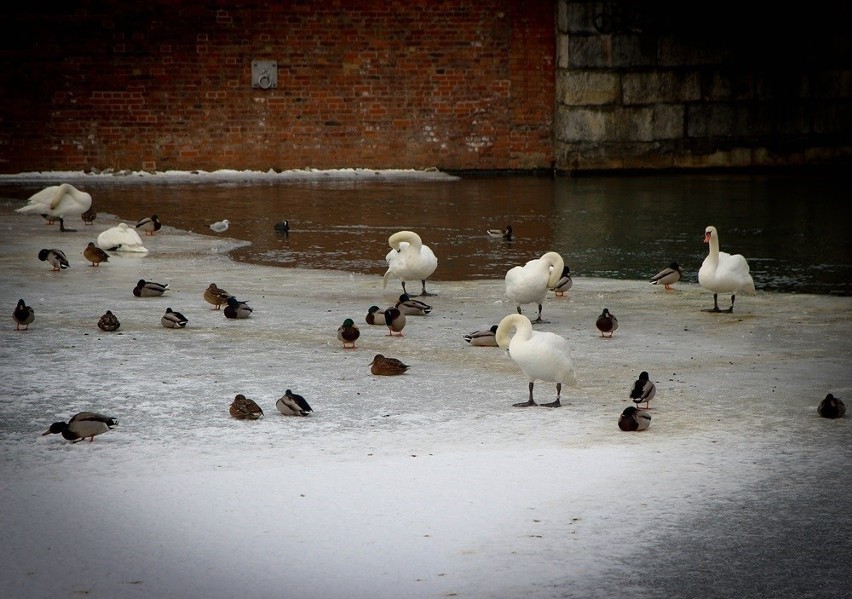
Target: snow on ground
424 485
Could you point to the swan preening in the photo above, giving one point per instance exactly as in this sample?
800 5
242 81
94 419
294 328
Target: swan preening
723 273
528 284
121 238
541 355
409 260
60 201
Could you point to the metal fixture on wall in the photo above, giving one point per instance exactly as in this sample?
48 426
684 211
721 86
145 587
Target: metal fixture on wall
264 74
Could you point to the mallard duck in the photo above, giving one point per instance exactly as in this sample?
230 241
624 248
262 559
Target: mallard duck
383 366
483 338
668 276
89 216
831 407
409 260
215 296
149 225
643 390
606 323
375 315
220 226
564 283
56 258
412 307
633 419
23 315
149 288
504 234
543 356
395 321
528 284
121 238
723 273
81 426
108 322
237 309
243 408
348 333
283 227
60 201
94 254
293 405
173 320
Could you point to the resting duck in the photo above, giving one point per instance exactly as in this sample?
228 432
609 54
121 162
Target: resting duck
483 338
831 407
149 225
89 216
59 201
409 260
56 258
643 390
382 366
723 273
668 276
504 234
412 307
606 323
94 254
564 283
293 405
173 320
348 333
395 321
243 408
237 309
632 419
121 238
528 284
215 296
149 288
375 315
23 315
543 356
82 425
108 322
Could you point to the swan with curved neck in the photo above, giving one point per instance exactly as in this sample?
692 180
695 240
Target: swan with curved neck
121 238
409 260
541 355
723 273
59 201
528 284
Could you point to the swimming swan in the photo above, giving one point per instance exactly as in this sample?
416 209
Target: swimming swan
723 273
59 201
528 284
409 260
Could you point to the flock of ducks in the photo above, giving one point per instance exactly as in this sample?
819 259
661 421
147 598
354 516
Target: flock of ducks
541 356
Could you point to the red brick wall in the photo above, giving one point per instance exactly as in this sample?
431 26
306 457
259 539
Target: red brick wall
457 84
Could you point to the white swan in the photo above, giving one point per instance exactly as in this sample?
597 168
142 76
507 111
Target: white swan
121 238
528 284
59 201
409 260
723 273
541 355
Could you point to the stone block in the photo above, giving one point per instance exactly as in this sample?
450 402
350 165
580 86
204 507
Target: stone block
650 87
589 51
586 125
632 51
669 121
635 124
577 88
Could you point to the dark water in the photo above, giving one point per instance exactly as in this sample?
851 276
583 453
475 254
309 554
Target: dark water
793 229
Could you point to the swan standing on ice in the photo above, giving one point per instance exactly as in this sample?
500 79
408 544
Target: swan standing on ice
541 355
409 260
528 284
60 201
121 238
723 273
220 226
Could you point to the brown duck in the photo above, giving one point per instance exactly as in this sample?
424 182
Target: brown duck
383 366
244 408
94 254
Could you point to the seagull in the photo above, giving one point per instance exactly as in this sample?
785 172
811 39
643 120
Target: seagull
220 226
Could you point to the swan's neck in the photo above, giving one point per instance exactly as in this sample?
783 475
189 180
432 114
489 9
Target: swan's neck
518 324
714 248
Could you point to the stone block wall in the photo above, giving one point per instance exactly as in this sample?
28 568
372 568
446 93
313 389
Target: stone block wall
652 85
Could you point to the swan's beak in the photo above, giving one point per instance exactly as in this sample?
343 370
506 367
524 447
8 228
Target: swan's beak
707 238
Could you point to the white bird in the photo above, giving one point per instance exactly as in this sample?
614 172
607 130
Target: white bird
541 355
723 273
60 201
121 238
633 419
409 260
220 226
668 276
528 284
